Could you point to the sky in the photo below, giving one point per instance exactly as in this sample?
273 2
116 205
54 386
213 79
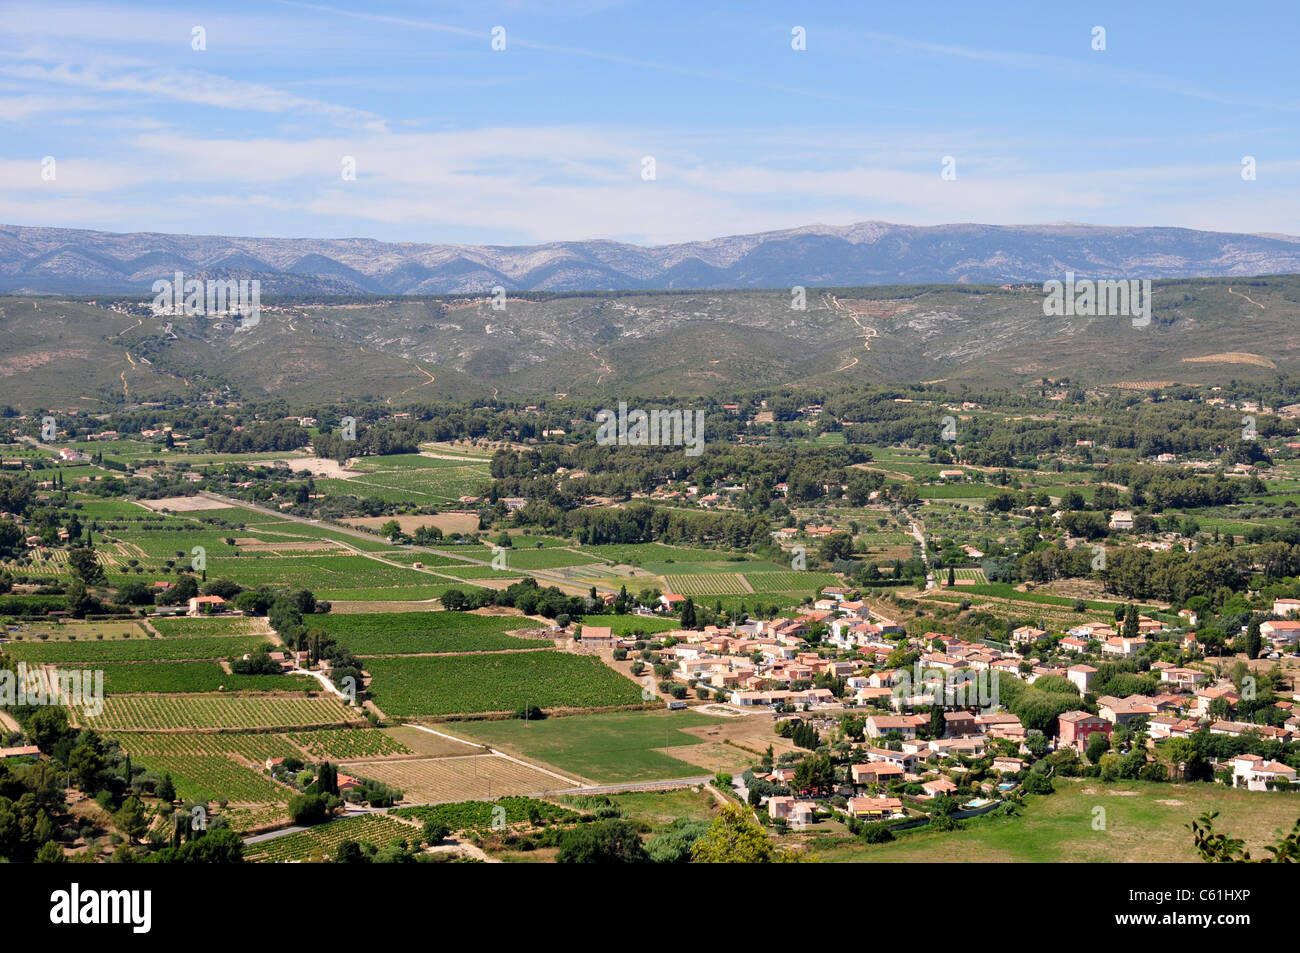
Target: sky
647 122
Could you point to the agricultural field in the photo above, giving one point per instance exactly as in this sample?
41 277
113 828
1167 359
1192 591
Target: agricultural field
137 650
213 625
321 842
479 815
604 748
460 684
203 777
707 584
455 778
524 558
402 633
343 744
181 712
206 676
252 747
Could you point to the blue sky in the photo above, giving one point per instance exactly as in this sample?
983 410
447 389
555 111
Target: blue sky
545 140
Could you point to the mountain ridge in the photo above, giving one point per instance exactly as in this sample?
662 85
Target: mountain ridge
44 260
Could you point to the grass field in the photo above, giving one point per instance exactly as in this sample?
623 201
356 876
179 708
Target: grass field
423 632
609 747
1144 822
455 684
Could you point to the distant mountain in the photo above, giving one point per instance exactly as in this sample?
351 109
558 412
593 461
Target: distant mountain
71 261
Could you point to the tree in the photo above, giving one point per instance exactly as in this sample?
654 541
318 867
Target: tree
1131 622
1215 848
733 838
435 832
688 613
1098 745
84 563
1254 642
166 789
131 820
611 841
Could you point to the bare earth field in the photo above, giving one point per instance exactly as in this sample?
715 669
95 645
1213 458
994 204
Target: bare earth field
457 778
184 504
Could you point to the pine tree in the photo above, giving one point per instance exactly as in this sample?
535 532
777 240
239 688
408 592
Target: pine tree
1254 642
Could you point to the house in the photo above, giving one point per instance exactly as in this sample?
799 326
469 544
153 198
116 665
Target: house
1074 644
1081 676
907 760
1074 728
801 814
205 605
1254 773
1005 765
22 751
1001 724
875 772
1026 635
1123 646
880 725
1121 519
876 808
938 787
598 636
1121 711
1190 618
1182 677
957 724
1286 632
1286 607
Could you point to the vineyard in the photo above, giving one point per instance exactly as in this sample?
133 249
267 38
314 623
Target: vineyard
136 650
124 677
202 777
502 682
254 748
180 712
320 843
707 584
478 815
408 632
344 744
